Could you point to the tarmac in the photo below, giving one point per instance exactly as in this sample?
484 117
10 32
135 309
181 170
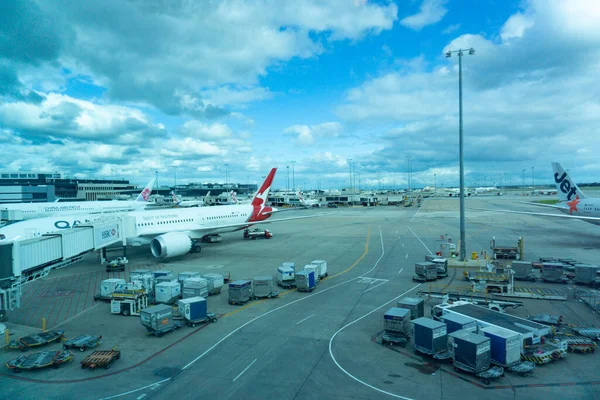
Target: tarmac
320 345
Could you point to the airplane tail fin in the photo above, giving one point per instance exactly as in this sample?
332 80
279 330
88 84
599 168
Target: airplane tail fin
299 194
176 201
234 197
566 188
261 196
145 194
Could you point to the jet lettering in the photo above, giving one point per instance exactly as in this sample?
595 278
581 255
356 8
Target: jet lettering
565 185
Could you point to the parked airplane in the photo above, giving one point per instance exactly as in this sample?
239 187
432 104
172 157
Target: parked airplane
169 232
488 190
177 202
306 202
46 209
572 202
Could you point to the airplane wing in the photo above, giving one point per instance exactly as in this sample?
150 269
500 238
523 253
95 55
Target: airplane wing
556 206
581 217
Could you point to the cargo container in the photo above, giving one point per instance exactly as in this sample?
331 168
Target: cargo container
585 274
193 308
456 322
76 241
194 287
158 319
429 336
215 282
552 272
162 272
129 286
414 304
425 271
442 266
289 264
167 292
305 281
470 351
315 268
108 286
146 281
240 291
397 320
505 345
523 270
263 286
323 267
182 276
166 278
286 277
139 272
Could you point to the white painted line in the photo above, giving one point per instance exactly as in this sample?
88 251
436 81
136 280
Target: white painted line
401 269
355 321
383 283
413 217
245 369
402 244
152 385
406 255
141 397
420 240
310 316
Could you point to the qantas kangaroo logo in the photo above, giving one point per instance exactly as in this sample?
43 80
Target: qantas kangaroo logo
565 185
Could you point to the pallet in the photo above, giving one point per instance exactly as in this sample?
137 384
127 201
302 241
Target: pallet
100 358
37 339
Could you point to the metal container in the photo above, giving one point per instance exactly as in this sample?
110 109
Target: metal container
322 267
585 274
166 278
305 280
158 318
182 276
470 350
192 308
315 268
456 322
263 286
215 282
289 264
145 281
505 345
194 287
426 270
522 269
285 275
552 272
167 292
397 320
441 265
414 304
161 272
139 272
429 336
108 286
240 291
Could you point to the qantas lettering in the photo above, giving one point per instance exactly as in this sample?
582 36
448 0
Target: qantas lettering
565 185
66 224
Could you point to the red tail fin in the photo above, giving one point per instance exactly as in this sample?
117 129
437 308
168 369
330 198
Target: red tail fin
260 198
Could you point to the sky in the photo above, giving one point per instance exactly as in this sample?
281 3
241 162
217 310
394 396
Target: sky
199 91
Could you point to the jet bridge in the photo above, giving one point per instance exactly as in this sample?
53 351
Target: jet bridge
23 261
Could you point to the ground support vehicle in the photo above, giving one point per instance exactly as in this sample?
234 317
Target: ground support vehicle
117 265
129 306
83 342
546 319
158 333
100 358
522 368
257 233
210 317
37 339
590 332
271 295
487 375
39 360
544 353
444 356
575 344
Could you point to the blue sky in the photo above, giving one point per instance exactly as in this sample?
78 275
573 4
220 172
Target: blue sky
135 87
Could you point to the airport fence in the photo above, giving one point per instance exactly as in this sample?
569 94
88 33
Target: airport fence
589 297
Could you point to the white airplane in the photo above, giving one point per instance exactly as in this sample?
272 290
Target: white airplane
177 202
306 202
170 232
572 202
46 209
488 190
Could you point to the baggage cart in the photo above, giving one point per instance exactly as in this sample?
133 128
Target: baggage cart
39 360
522 368
36 339
444 356
210 317
83 342
546 319
101 358
487 375
394 338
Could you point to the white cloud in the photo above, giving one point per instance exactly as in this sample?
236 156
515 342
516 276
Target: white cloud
235 96
188 147
430 12
451 28
201 130
306 134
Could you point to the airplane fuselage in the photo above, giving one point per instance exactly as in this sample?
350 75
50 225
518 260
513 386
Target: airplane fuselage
41 210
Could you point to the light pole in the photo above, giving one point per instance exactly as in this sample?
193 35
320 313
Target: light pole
522 181
175 177
226 175
349 160
434 183
471 51
533 178
293 176
288 177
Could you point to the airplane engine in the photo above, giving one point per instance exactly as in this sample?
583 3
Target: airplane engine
171 244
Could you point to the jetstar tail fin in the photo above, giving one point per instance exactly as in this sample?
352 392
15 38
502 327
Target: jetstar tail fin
566 188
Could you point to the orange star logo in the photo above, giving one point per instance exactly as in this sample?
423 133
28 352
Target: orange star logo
573 205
